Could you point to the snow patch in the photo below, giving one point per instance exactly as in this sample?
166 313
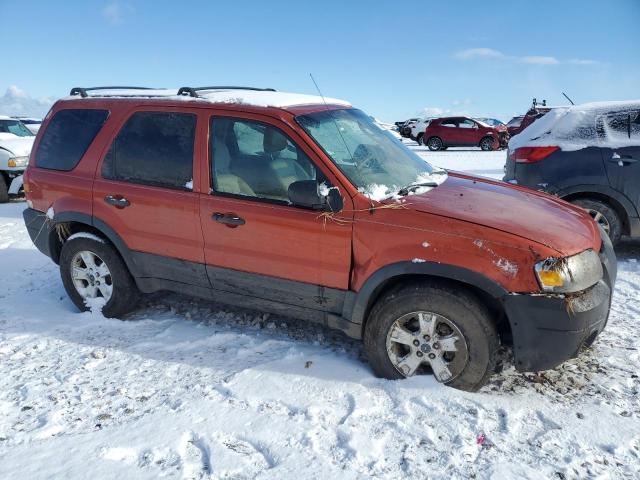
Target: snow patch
50 213
86 235
189 184
418 260
426 244
324 189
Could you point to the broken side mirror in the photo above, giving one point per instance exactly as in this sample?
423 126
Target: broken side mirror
306 194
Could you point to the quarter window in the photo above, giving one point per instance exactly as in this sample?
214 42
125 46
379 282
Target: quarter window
67 138
153 148
254 159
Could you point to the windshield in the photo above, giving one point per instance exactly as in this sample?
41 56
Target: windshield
373 160
15 127
515 122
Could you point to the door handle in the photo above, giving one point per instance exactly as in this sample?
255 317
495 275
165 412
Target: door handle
117 201
229 219
622 160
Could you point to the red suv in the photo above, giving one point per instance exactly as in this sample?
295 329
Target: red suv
250 197
442 133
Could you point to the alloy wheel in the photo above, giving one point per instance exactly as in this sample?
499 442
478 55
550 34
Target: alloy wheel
600 220
91 276
426 342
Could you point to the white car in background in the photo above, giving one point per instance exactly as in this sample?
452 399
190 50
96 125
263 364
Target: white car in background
418 128
16 141
31 123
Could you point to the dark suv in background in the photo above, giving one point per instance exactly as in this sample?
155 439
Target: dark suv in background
588 155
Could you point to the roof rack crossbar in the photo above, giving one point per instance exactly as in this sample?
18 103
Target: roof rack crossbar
82 91
193 91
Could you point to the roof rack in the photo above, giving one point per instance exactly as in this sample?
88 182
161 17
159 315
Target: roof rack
193 91
83 91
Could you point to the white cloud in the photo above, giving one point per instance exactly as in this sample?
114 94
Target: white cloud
484 53
583 61
16 101
115 12
478 53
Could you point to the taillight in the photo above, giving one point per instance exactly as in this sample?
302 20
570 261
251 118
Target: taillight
531 154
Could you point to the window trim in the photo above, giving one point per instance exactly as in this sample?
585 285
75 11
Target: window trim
125 119
210 162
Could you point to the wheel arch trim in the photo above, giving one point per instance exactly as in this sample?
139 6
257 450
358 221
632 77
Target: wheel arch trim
361 301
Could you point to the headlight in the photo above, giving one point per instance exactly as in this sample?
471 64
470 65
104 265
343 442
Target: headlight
18 162
570 274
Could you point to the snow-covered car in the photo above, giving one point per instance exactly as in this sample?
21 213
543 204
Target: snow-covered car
16 141
418 128
31 123
405 130
588 155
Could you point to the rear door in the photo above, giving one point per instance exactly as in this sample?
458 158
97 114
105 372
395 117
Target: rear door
622 162
143 190
256 243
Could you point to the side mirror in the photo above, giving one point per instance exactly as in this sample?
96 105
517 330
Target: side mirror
304 193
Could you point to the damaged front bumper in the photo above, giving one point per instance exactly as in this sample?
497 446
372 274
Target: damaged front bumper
548 329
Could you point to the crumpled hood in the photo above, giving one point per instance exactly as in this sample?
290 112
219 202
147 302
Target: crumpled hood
19 146
528 214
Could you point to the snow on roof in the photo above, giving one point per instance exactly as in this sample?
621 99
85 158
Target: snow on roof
577 127
258 98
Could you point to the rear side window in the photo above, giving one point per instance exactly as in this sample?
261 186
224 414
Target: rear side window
67 138
620 128
153 148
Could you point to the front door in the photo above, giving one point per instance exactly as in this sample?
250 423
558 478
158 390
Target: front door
620 135
143 191
255 241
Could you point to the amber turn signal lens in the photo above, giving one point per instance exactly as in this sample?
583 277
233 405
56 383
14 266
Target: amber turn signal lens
550 278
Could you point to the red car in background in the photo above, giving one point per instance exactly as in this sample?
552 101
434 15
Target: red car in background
445 132
519 123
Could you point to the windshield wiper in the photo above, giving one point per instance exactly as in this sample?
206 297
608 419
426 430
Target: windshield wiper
404 191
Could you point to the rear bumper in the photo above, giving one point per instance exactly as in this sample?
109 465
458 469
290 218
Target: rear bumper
39 229
549 329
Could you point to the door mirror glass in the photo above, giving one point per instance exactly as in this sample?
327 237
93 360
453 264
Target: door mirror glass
304 193
311 194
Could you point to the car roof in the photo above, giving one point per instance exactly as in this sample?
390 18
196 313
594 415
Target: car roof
295 103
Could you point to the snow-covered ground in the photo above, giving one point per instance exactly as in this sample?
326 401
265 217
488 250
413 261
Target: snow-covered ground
191 389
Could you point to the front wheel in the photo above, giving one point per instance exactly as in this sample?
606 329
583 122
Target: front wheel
434 144
486 144
4 190
94 275
430 329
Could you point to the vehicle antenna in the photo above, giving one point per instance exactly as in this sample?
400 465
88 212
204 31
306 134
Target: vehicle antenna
332 117
565 96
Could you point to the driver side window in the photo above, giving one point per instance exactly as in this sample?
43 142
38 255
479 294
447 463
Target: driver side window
255 159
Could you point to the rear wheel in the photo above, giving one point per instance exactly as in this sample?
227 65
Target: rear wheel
430 329
486 144
434 144
93 274
604 215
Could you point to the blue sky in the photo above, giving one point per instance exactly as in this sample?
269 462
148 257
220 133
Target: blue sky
480 58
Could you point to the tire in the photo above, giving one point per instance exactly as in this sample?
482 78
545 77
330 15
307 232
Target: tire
434 144
604 215
4 190
124 292
460 308
420 139
486 144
